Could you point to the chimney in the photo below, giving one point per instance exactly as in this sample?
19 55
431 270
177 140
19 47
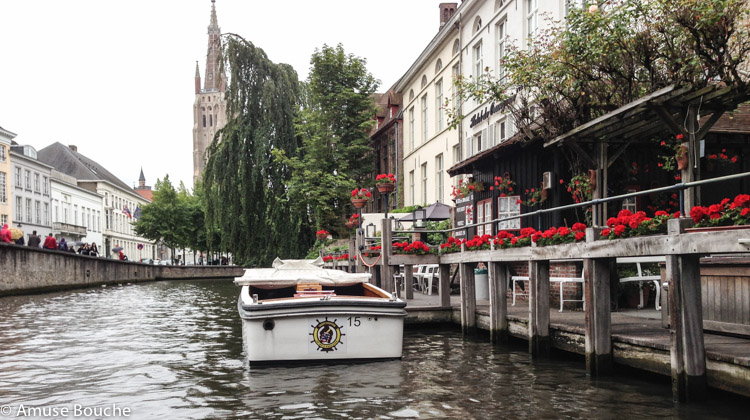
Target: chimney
73 147
446 11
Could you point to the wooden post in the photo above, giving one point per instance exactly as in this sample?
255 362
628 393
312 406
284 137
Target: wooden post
409 281
688 352
359 246
468 299
598 324
539 308
498 303
385 249
688 174
444 288
352 263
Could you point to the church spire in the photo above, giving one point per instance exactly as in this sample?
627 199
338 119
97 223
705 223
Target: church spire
211 82
141 179
197 78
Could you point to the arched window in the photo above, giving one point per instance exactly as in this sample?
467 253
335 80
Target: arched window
438 66
211 120
424 81
411 95
477 24
456 46
499 4
204 120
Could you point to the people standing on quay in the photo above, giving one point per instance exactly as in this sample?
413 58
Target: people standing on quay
93 251
34 240
50 242
123 257
84 249
20 241
62 245
5 234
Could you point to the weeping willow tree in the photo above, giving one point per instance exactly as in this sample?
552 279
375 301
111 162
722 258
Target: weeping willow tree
246 190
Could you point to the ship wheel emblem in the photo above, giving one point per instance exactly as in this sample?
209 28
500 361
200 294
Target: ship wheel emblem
326 335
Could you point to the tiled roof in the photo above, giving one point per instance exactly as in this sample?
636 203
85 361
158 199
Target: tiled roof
734 122
72 163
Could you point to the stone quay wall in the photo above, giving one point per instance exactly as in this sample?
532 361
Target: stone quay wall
25 270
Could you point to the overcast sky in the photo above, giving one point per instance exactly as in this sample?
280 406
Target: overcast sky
116 78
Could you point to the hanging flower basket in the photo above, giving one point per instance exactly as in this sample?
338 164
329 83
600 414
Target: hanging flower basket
349 225
385 183
360 197
681 154
386 188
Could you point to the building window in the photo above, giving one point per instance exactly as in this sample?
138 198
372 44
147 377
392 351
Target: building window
38 212
502 132
456 154
211 120
45 185
484 214
439 178
438 66
411 127
204 120
478 60
411 188
2 153
36 183
508 207
411 95
531 18
424 81
424 183
18 178
424 119
46 213
4 218
3 194
27 179
19 209
501 35
456 47
439 104
477 25
75 215
28 210
57 211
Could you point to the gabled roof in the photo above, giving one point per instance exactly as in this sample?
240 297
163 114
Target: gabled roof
72 163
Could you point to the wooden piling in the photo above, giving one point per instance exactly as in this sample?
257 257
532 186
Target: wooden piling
468 299
409 281
687 352
444 287
539 345
598 319
389 283
498 303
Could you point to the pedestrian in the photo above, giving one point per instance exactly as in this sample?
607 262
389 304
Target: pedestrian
50 242
84 249
5 234
123 257
20 241
93 251
62 245
34 240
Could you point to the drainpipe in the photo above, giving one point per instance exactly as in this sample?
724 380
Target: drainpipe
460 72
395 144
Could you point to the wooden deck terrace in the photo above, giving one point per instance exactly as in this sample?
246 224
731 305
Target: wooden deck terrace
694 359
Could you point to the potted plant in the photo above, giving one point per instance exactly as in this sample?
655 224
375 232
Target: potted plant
322 234
385 183
360 197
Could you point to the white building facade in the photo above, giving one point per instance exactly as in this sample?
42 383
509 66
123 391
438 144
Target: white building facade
76 212
471 42
31 191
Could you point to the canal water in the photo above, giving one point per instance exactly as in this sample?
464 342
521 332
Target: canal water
174 350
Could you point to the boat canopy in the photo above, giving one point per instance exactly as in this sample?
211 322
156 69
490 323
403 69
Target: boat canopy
287 273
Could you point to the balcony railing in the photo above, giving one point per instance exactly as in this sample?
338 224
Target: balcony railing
69 228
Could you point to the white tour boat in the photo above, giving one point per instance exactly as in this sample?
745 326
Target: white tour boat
299 311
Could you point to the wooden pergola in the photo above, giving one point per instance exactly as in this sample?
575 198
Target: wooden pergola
685 110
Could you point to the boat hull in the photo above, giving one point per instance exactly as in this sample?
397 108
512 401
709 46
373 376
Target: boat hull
319 330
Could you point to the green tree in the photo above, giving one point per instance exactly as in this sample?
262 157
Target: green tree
164 218
194 232
248 211
334 124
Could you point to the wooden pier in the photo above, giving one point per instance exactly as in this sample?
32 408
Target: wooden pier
677 346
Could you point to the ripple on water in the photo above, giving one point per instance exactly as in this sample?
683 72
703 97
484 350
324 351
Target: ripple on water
174 350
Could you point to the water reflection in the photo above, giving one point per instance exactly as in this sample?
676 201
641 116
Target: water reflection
174 350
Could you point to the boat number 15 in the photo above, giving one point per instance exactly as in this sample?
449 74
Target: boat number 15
354 322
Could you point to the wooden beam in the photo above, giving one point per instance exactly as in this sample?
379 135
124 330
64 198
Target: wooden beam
539 344
444 288
582 154
498 303
468 299
708 124
409 281
598 321
617 153
668 119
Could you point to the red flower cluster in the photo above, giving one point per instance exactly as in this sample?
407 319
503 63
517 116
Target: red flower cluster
726 213
361 193
373 248
452 245
354 218
505 239
416 248
322 234
328 258
343 257
503 185
385 179
628 224
560 235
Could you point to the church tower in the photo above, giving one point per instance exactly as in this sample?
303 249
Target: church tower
209 108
